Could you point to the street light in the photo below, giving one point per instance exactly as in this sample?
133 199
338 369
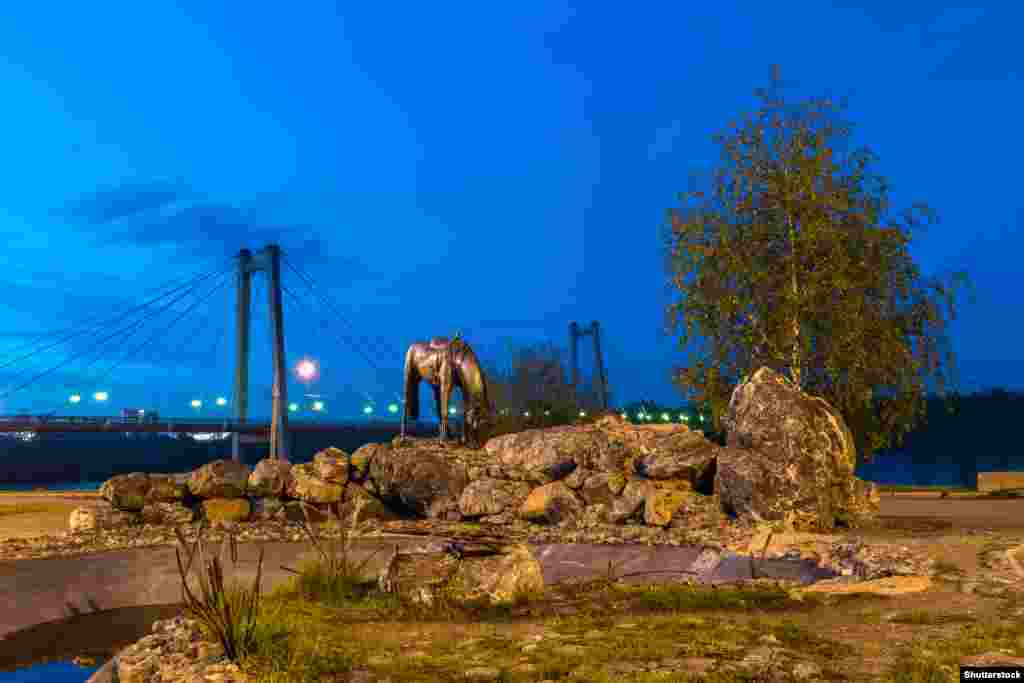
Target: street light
583 413
393 408
306 369
665 417
221 401
293 407
101 396
318 405
196 403
451 411
367 409
75 398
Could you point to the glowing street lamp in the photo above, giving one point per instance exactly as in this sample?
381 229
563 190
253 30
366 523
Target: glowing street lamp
393 408
306 369
293 407
196 403
583 413
75 398
221 401
101 396
665 417
318 406
367 409
451 410
526 413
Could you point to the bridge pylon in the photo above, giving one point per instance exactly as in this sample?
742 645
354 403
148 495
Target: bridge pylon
267 260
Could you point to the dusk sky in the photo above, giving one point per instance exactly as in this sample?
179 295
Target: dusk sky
497 168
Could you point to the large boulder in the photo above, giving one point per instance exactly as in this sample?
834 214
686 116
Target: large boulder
462 572
359 461
221 510
488 496
99 515
360 505
331 465
599 488
306 485
126 491
552 503
790 458
552 454
270 478
165 488
419 481
167 512
681 454
219 479
630 501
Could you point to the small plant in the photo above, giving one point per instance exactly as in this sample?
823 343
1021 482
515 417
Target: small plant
336 577
226 613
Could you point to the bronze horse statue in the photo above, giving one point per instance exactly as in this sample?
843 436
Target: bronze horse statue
446 365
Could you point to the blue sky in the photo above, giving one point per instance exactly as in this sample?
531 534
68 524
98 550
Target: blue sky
523 153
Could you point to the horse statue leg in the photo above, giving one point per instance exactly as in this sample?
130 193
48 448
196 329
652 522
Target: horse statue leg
446 396
442 417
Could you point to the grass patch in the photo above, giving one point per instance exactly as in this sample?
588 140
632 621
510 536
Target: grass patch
684 597
935 656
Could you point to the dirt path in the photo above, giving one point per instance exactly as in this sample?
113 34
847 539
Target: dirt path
45 513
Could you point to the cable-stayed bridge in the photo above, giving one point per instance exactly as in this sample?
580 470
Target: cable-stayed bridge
180 299
119 337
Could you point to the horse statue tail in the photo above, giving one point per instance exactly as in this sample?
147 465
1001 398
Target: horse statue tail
412 385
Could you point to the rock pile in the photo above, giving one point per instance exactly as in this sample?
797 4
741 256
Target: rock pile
790 458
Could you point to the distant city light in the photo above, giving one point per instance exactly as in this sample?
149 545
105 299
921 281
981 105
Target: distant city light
367 410
221 401
75 398
451 411
665 417
293 407
393 408
101 396
196 403
583 413
318 405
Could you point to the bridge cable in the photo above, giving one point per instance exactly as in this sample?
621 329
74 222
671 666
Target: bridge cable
202 298
202 322
44 335
323 298
295 302
324 327
339 315
115 319
127 331
132 327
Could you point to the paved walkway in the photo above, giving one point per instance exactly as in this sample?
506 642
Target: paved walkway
50 589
